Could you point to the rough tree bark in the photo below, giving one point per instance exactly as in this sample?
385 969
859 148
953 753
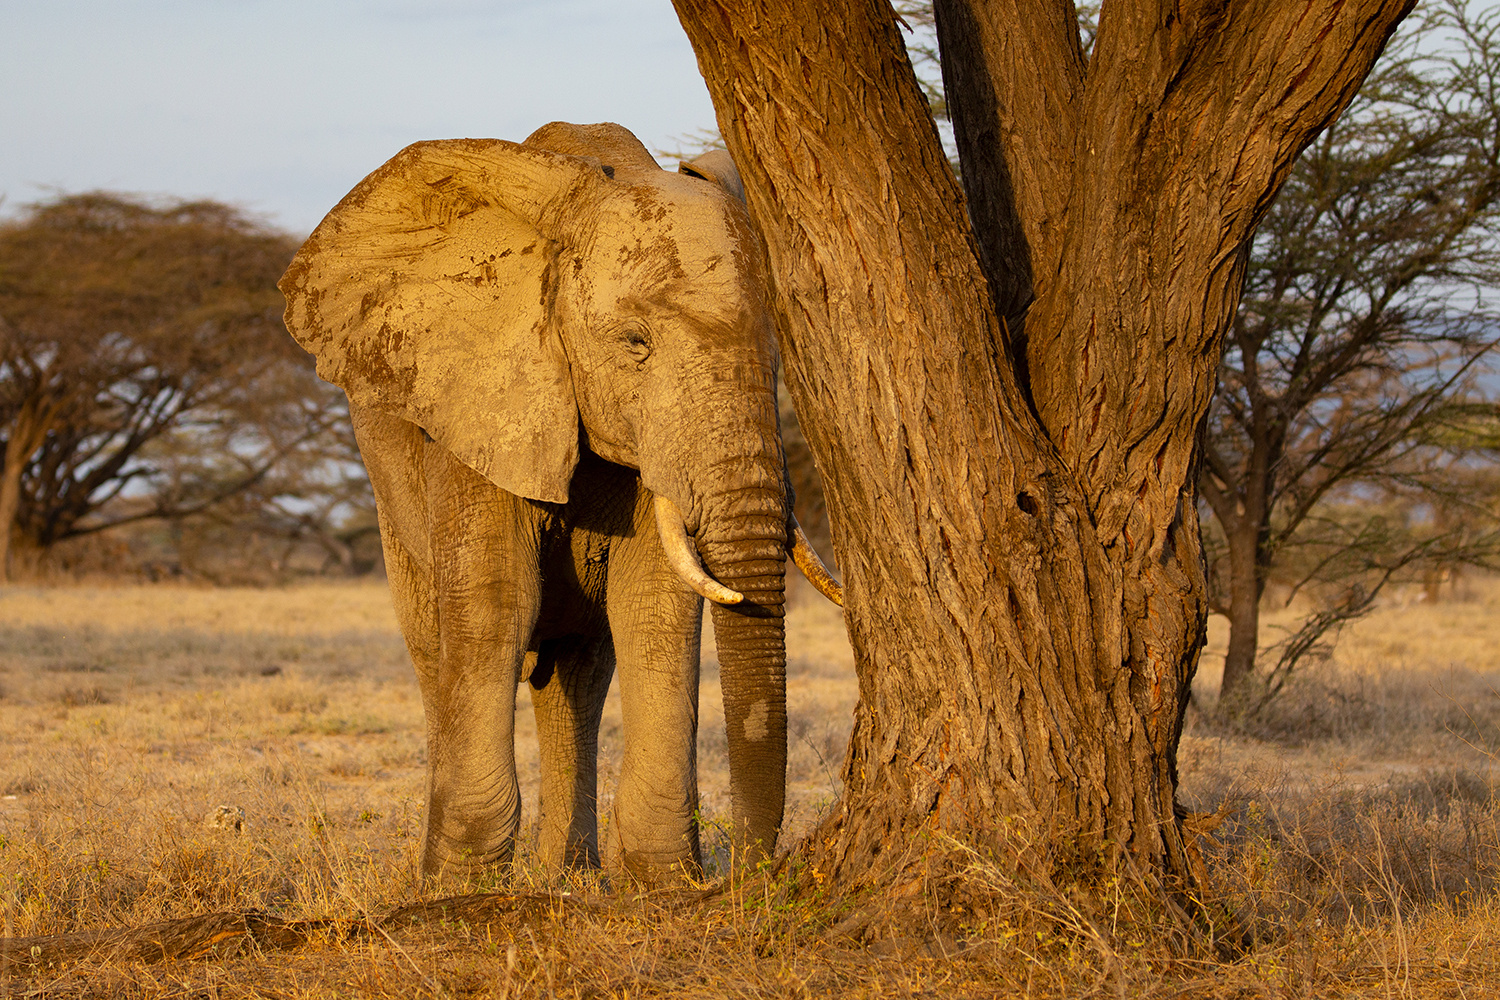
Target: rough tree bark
1014 517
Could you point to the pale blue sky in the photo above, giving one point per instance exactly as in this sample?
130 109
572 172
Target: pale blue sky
281 106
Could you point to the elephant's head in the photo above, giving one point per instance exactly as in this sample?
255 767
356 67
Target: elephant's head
514 300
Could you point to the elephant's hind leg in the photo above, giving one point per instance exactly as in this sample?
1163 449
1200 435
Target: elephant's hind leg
568 689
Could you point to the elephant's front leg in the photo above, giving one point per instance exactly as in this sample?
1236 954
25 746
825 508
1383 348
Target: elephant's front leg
486 583
656 621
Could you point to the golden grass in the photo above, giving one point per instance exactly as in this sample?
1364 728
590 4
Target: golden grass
1360 849
130 714
1412 689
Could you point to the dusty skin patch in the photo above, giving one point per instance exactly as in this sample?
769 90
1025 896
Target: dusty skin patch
755 722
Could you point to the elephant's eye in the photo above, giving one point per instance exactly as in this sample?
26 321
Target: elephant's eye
638 343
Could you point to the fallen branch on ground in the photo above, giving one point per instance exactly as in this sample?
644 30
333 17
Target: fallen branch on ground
224 935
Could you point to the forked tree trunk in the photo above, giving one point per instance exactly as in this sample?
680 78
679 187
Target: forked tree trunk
1015 521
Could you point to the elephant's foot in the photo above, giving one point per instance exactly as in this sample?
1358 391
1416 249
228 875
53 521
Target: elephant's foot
654 854
470 827
456 865
459 854
568 851
653 871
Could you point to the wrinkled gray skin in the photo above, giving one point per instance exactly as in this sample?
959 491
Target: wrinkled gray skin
537 340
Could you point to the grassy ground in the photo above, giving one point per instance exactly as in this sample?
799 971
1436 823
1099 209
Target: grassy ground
166 752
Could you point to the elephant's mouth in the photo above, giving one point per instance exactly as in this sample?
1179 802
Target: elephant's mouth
684 559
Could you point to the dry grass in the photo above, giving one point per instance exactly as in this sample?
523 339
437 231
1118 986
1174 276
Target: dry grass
1359 854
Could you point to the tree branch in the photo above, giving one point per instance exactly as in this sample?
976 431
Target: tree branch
1013 73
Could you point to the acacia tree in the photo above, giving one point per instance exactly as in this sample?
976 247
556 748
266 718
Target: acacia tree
1362 314
1003 384
122 323
273 471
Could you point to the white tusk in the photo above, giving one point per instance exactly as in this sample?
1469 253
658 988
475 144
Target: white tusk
680 553
812 567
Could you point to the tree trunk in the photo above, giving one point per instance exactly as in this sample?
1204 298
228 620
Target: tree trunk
26 433
10 503
1246 582
1240 498
1016 522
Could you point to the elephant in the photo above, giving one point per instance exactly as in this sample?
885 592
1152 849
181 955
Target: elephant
561 371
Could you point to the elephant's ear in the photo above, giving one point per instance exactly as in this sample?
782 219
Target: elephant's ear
717 167
426 293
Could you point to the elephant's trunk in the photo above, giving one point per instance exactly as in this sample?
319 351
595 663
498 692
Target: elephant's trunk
745 549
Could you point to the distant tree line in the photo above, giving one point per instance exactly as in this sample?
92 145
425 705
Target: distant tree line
154 415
